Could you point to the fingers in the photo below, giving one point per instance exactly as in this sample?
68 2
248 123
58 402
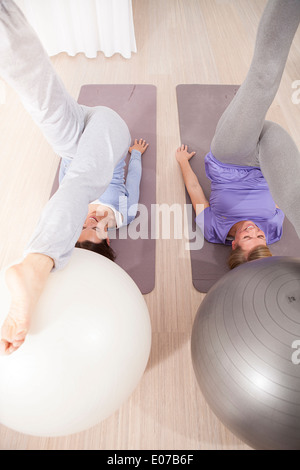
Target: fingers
143 143
3 346
182 148
13 336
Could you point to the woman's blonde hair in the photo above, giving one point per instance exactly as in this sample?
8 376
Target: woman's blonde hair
239 256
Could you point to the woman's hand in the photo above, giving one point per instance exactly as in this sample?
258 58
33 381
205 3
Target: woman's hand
182 154
190 179
140 145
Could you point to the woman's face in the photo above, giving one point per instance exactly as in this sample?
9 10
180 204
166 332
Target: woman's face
94 228
248 236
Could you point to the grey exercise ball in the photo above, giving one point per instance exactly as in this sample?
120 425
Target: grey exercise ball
246 352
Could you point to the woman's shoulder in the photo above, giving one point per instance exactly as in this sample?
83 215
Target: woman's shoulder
214 227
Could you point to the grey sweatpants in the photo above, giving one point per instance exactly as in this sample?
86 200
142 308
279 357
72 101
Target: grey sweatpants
243 136
94 139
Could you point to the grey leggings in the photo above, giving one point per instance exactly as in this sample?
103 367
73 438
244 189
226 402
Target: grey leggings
243 136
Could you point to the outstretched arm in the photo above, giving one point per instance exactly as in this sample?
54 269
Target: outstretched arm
134 175
191 182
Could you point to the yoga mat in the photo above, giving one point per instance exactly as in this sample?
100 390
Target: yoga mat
199 109
136 104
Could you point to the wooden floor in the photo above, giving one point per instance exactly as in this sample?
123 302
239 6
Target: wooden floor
178 41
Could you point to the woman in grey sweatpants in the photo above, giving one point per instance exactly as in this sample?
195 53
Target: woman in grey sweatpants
242 135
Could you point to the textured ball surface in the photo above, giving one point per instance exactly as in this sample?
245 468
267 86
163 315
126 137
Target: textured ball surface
246 352
86 351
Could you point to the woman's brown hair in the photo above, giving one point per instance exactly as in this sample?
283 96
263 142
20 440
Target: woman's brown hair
101 248
239 256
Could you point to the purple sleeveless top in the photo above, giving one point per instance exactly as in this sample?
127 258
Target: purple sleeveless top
238 193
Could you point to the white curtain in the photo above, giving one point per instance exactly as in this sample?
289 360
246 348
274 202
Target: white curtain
86 26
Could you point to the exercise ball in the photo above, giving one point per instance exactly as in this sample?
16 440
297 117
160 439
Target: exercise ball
245 350
85 353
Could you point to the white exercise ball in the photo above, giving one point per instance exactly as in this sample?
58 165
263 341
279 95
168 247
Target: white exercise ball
85 353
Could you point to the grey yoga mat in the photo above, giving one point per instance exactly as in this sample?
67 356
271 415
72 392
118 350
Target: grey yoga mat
199 109
136 104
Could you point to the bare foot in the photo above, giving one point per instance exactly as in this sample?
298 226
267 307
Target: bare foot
25 282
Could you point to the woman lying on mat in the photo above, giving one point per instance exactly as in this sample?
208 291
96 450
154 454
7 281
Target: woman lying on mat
116 207
252 162
234 198
93 143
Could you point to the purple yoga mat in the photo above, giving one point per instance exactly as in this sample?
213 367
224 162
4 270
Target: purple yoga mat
136 104
199 109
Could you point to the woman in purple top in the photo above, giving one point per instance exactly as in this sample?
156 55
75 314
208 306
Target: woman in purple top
242 209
